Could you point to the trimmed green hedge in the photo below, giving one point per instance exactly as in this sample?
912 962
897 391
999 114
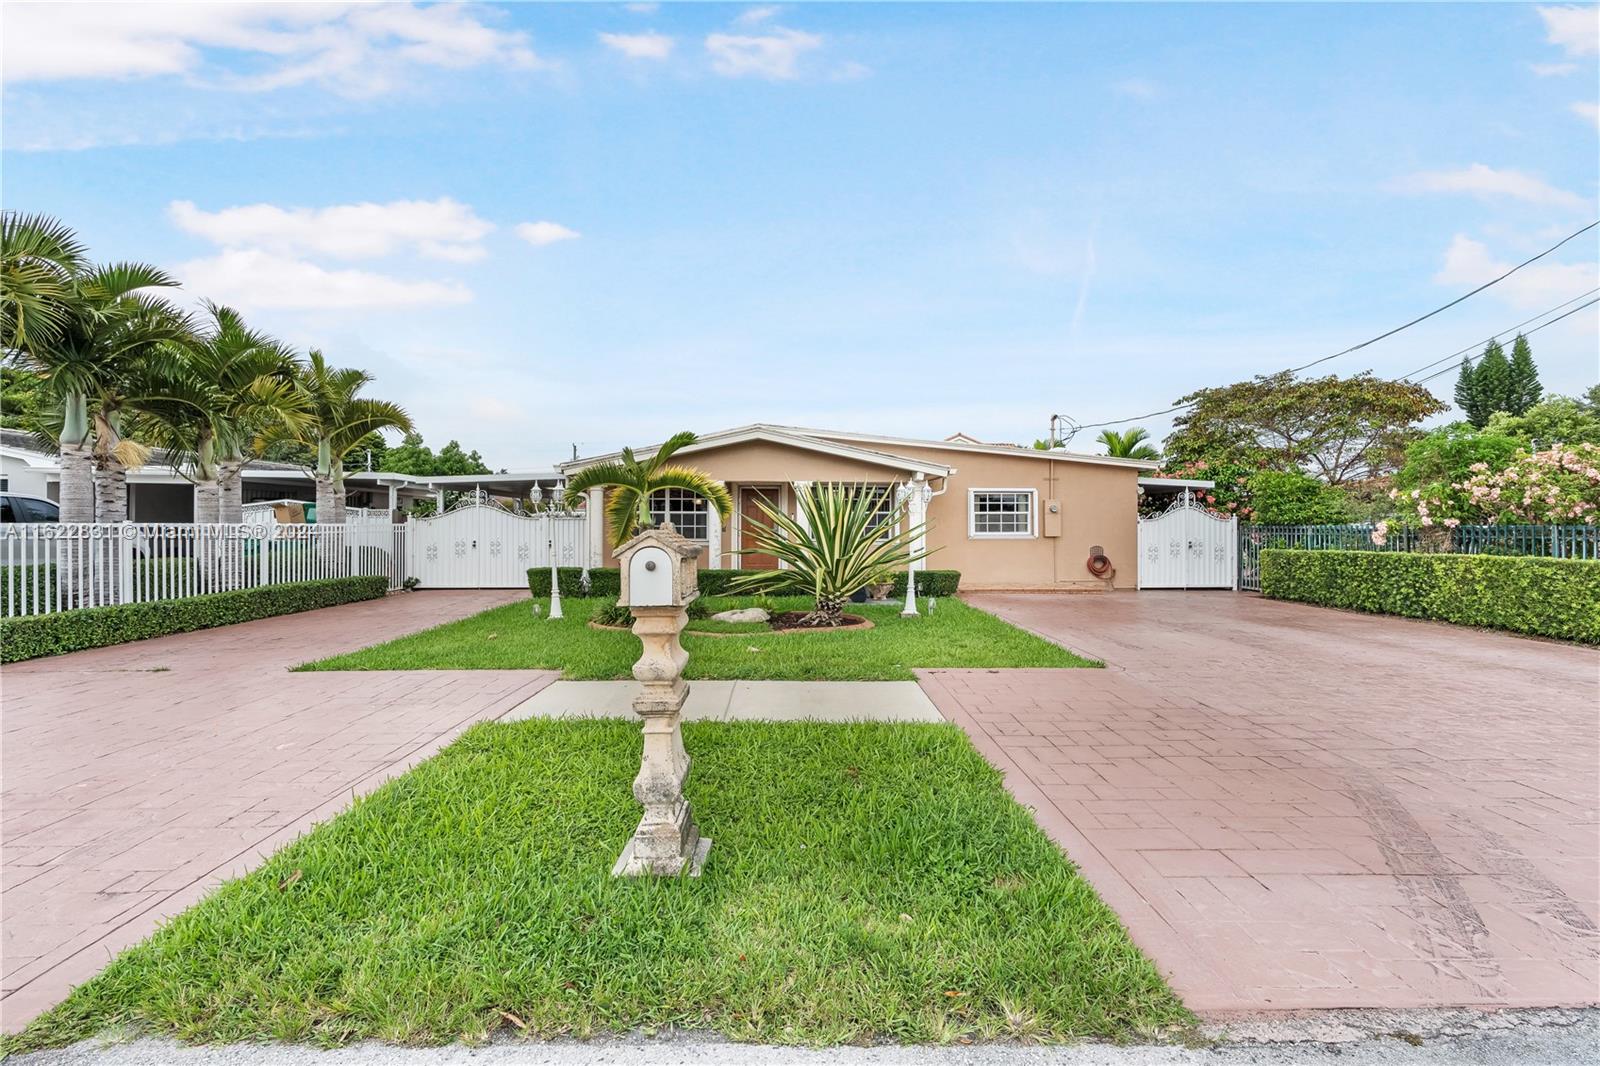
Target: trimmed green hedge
607 582
1544 597
99 627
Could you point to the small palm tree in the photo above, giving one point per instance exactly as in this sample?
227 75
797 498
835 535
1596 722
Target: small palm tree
39 256
229 386
845 542
632 481
1128 445
339 420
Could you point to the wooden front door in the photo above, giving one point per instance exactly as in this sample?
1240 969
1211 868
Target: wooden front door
749 512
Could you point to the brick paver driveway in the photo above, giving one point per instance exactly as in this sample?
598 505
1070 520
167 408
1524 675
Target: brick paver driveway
137 777
1295 807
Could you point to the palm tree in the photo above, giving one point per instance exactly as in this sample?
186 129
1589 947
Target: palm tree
632 481
338 420
96 344
230 386
1127 445
842 542
38 258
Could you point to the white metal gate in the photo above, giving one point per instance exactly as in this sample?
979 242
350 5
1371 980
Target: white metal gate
487 547
1188 547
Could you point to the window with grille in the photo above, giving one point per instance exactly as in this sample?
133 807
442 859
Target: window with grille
685 510
1000 512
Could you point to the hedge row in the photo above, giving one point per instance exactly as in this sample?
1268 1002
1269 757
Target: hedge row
1543 597
607 582
99 627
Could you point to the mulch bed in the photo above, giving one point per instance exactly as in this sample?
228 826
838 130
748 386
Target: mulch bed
783 623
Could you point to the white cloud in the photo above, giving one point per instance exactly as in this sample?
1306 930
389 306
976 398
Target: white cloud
1576 29
250 278
1487 182
353 49
643 9
650 45
1468 263
1138 88
1587 109
434 229
542 233
773 55
1553 70
754 16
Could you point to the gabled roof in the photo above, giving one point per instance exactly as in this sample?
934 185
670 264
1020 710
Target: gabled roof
783 435
960 446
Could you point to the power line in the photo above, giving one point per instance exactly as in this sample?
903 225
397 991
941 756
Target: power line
1502 333
1535 329
1379 337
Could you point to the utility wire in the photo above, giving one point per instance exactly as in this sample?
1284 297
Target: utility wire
1379 337
1498 336
1535 329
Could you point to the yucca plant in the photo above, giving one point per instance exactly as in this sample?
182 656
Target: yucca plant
631 481
843 542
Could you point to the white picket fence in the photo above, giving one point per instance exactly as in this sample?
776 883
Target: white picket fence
48 567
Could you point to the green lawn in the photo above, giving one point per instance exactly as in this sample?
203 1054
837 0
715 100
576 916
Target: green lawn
867 882
954 635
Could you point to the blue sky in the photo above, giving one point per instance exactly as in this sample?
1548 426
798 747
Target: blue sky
598 224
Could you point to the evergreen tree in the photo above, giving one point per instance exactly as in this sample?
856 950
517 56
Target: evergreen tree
1525 389
1467 395
1491 381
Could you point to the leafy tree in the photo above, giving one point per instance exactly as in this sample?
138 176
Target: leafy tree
1295 498
1340 429
1525 389
23 398
842 543
1447 455
632 481
1555 420
1129 444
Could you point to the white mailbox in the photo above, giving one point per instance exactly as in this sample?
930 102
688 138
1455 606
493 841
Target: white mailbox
650 578
660 568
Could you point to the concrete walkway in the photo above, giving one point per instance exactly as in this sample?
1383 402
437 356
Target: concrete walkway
1294 807
138 777
728 701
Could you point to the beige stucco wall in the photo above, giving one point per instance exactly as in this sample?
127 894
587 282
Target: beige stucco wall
1099 505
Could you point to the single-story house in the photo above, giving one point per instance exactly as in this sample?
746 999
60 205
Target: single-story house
1005 516
157 492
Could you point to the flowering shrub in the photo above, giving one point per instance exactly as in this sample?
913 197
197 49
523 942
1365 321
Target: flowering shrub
1558 486
1232 492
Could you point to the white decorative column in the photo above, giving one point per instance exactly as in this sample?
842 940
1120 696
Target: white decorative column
800 487
595 510
713 536
914 494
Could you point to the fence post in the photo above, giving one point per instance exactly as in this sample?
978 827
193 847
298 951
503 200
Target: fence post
264 558
125 563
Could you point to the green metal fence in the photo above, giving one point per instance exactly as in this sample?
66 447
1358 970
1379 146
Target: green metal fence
1556 542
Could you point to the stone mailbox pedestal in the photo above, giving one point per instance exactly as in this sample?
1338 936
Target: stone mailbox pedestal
659 580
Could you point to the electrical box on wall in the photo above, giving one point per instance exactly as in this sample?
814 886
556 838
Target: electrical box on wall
1052 518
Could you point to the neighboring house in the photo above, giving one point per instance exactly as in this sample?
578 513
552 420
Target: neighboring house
1005 516
159 493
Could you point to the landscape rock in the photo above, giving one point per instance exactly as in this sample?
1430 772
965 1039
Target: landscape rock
747 614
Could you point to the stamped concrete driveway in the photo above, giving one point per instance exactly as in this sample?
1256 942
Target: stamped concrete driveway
1295 807
138 777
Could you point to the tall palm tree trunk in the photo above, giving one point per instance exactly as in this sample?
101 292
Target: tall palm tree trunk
230 511
76 500
111 506
230 491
